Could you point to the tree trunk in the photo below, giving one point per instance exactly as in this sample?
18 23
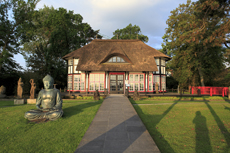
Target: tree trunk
201 77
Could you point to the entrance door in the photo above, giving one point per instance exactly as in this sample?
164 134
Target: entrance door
116 84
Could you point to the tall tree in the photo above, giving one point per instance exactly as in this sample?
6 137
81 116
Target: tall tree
55 33
193 60
213 17
15 17
130 32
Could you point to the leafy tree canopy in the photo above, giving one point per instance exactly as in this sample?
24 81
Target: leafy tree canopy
130 32
15 17
197 53
55 33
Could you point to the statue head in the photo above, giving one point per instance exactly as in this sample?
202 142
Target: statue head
31 81
48 82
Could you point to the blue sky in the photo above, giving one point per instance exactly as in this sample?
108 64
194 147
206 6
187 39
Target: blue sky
110 15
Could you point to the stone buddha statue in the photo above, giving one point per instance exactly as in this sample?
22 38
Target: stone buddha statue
48 103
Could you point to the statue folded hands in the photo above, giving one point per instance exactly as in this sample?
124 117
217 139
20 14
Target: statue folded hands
48 103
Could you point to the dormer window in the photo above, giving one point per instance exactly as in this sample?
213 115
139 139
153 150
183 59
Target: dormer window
116 59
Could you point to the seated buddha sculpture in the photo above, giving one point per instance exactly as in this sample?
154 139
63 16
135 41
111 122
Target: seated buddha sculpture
48 103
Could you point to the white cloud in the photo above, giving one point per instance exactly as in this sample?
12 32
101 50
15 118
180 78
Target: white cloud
122 4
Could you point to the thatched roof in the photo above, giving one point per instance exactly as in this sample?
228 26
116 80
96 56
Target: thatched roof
139 56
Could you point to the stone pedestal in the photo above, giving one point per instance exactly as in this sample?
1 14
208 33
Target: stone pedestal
19 101
31 101
2 96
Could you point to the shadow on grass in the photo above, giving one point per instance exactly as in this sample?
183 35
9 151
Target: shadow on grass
162 144
73 110
202 134
221 126
226 100
225 107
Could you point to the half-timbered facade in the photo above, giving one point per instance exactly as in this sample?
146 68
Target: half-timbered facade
116 65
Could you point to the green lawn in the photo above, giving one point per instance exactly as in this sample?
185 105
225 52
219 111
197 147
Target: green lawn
6 103
187 127
169 99
63 135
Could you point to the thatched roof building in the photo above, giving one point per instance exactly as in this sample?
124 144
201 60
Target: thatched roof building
110 56
139 56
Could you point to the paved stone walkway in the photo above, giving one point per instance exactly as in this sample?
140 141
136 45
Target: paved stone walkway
117 128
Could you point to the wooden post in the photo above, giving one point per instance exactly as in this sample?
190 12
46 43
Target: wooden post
229 92
198 92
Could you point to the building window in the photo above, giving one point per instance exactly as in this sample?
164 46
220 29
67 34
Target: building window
76 61
150 82
96 82
136 82
141 86
162 70
162 62
77 83
157 60
153 79
75 66
130 77
70 82
156 81
70 62
160 65
163 84
131 87
70 66
82 81
116 59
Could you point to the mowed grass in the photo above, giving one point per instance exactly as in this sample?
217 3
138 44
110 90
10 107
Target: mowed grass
63 135
187 127
6 103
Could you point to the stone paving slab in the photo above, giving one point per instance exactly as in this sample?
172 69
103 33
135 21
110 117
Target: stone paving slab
117 128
